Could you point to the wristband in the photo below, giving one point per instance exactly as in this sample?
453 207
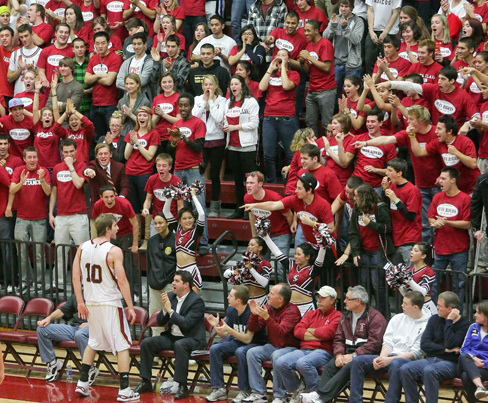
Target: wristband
398 201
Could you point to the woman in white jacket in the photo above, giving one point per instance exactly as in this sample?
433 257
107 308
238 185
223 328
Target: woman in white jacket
210 107
241 122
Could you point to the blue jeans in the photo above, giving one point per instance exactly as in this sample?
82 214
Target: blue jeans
60 332
222 350
239 8
255 358
283 243
427 196
458 261
100 116
276 129
188 177
363 364
374 278
341 72
431 371
306 362
299 236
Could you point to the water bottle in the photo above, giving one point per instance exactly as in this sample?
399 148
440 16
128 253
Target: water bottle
158 382
69 374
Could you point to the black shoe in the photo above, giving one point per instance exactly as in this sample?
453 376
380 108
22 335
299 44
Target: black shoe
144 387
182 392
203 250
237 214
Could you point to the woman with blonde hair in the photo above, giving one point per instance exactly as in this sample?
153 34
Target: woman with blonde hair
442 38
210 107
169 7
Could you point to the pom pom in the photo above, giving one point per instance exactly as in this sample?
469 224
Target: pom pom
184 191
171 192
322 235
198 186
397 275
262 225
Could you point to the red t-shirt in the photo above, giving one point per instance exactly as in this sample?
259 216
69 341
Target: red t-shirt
313 13
114 11
89 12
279 225
483 150
376 156
31 201
445 50
151 4
28 100
114 45
164 54
319 210
137 164
481 13
170 106
328 186
13 162
406 231
398 68
403 51
407 102
449 240
154 186
6 88
47 143
185 157
70 199
464 145
179 14
369 237
44 31
292 43
82 137
233 116
353 106
254 88
343 174
50 57
426 169
122 210
280 102
457 103
193 8
58 8
102 95
429 73
322 51
474 92
20 133
291 180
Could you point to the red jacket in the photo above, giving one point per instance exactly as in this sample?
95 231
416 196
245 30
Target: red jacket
279 325
325 325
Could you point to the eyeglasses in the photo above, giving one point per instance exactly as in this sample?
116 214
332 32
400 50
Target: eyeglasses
251 174
350 299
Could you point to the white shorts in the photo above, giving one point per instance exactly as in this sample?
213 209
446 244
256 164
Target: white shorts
262 300
304 307
109 329
195 272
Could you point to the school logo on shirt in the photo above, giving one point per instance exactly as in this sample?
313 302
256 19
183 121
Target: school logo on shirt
260 213
19 134
314 55
474 88
404 55
444 107
275 81
393 206
372 152
386 117
394 73
284 44
445 52
334 149
53 60
372 217
460 79
450 159
87 15
27 102
186 131
130 48
167 250
302 214
166 108
44 135
115 6
354 113
484 116
478 17
32 182
9 170
64 176
234 112
59 12
100 68
142 143
447 210
159 194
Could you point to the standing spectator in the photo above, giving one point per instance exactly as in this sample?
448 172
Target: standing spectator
442 37
134 26
306 12
382 21
113 12
426 66
30 187
71 221
65 87
318 61
74 18
194 15
240 8
245 70
23 58
248 48
6 49
18 126
170 7
479 206
43 32
168 28
241 122
393 66
81 64
174 63
280 121
201 31
142 10
99 24
113 138
101 73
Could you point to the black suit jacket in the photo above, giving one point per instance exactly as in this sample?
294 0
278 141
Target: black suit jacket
190 318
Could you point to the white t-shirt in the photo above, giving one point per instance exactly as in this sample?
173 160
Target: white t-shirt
382 13
30 56
459 10
136 65
225 44
361 9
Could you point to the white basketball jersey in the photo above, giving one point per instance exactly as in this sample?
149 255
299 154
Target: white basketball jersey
99 280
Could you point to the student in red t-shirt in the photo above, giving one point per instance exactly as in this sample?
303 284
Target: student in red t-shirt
411 35
307 11
74 18
450 216
244 69
288 38
412 98
426 66
464 58
475 75
18 126
392 67
71 221
405 207
145 10
455 150
43 32
280 121
442 37
348 104
170 7
112 11
6 49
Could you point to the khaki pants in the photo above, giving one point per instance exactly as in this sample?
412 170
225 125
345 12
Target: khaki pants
155 305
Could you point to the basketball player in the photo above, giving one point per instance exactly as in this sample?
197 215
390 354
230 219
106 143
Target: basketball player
98 264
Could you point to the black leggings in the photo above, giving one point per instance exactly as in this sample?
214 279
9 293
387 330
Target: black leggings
214 156
241 163
468 371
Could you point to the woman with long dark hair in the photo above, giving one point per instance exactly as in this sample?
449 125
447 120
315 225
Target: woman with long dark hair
74 18
411 36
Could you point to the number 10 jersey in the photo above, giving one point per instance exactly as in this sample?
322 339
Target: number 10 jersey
99 280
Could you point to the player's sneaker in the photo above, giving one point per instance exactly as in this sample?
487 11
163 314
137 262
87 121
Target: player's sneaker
216 395
83 388
53 371
127 395
92 375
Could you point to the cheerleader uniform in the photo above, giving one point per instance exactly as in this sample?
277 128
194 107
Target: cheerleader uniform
422 281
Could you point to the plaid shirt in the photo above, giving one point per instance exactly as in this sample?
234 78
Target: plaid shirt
275 18
79 75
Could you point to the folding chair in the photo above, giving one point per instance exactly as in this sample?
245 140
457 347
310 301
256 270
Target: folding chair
13 306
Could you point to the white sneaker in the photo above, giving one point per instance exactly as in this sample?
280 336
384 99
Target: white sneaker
216 395
83 388
170 390
240 397
168 383
309 397
255 398
295 398
92 375
53 371
481 392
127 395
279 400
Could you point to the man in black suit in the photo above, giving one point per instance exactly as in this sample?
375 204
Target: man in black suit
183 311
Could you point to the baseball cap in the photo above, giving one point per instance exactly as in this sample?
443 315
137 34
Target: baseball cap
327 291
309 179
15 102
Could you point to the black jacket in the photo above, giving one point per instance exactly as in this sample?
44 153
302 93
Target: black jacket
195 78
161 259
478 201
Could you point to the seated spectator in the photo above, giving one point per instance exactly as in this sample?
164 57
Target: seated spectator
100 24
236 340
411 35
183 311
426 66
473 354
74 18
247 49
48 333
360 332
401 344
316 332
441 343
113 138
279 318
64 86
